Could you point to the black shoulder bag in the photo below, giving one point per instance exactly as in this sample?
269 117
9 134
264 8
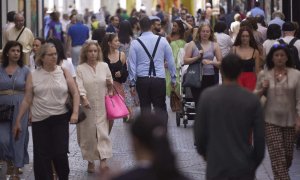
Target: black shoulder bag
69 105
193 75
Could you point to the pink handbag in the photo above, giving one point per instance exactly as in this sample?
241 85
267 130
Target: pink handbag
115 107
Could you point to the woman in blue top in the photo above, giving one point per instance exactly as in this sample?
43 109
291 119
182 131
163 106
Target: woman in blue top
208 51
13 76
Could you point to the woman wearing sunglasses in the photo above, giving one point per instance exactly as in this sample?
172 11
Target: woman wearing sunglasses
280 83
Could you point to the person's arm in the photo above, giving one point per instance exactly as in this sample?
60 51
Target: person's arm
262 84
257 61
109 81
73 90
171 63
189 27
26 103
124 71
81 88
69 45
218 55
132 65
50 33
188 59
258 133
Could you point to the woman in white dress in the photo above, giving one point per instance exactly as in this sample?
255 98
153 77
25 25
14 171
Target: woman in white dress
94 81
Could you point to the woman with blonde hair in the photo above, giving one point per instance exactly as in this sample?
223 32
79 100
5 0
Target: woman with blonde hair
94 81
204 49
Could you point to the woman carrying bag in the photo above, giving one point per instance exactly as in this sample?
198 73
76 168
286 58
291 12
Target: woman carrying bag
208 51
46 94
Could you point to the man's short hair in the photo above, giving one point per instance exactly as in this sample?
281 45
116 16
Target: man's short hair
231 66
10 17
288 26
278 14
145 24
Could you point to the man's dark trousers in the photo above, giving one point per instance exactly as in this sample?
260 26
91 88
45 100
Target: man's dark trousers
152 91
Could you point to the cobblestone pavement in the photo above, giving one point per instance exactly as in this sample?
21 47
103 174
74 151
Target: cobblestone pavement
189 162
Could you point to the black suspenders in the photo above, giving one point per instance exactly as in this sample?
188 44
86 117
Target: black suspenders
151 67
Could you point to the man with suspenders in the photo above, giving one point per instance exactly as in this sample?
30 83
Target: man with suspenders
146 59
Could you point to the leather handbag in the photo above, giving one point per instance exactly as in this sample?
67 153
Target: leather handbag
175 101
6 113
69 105
193 75
115 107
81 113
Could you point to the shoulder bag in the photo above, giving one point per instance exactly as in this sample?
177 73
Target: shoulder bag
115 106
69 105
193 75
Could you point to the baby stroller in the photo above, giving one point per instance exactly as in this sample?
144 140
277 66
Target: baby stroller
188 111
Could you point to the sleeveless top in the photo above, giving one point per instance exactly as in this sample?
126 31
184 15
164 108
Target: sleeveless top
114 67
50 91
248 65
209 54
208 69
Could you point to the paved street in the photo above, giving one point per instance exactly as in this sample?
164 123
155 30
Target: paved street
190 163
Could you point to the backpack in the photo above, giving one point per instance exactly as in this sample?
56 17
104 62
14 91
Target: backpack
293 51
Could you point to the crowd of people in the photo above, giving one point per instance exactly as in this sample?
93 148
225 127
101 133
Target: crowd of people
140 58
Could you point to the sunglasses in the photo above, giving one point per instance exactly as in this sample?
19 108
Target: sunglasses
279 46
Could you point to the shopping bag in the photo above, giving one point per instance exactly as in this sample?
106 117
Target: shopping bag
193 76
115 107
175 101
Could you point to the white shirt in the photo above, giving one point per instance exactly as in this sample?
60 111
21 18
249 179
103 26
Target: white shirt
31 62
67 64
267 45
224 42
235 28
262 30
50 91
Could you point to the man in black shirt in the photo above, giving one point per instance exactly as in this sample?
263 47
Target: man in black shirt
226 116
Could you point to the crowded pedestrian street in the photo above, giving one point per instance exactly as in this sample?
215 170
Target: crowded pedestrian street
150 90
189 162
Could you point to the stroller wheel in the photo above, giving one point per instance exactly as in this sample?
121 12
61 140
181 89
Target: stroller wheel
177 119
